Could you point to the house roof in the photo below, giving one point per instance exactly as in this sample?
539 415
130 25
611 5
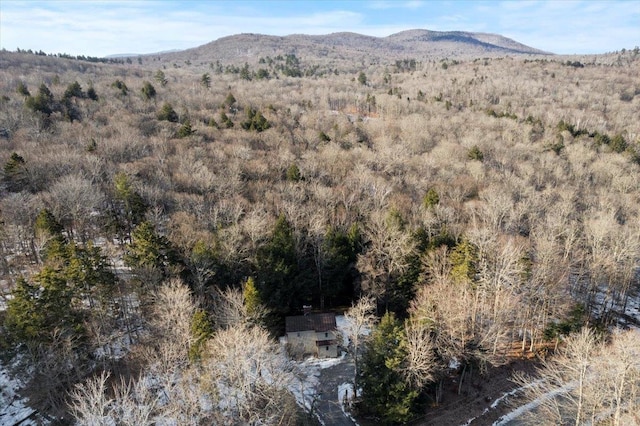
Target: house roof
315 322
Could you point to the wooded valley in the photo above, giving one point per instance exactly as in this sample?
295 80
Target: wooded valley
161 216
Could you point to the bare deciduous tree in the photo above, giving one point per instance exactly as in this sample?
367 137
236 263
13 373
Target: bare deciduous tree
252 375
588 381
230 309
360 318
421 361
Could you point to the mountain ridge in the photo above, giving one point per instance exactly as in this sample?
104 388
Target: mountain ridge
419 44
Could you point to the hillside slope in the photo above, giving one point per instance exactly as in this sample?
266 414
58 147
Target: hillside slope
348 47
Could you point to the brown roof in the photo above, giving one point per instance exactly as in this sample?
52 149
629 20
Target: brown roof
315 322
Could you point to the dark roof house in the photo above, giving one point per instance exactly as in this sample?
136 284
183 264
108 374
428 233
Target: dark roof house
313 334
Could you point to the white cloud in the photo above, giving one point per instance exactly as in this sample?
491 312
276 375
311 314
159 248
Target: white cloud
101 28
388 4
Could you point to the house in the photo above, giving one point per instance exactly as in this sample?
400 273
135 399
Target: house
312 334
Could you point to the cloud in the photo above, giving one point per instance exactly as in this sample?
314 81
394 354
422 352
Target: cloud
382 5
102 28
573 26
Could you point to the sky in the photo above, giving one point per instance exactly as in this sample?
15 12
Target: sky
108 27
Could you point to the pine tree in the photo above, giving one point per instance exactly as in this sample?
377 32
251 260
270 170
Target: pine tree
15 173
277 266
128 207
185 130
43 102
205 80
74 90
201 331
251 297
150 252
92 94
22 89
226 121
463 260
161 78
148 91
121 86
384 390
167 113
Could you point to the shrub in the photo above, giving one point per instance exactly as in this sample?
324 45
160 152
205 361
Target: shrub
148 91
431 198
22 89
167 113
618 144
293 173
185 130
475 154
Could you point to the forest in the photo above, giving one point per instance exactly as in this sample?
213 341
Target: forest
161 217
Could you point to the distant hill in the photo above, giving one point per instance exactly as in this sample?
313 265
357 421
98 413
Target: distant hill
352 48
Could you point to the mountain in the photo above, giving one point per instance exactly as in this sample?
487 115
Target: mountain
353 48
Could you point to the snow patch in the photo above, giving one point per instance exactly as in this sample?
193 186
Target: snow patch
345 396
13 408
454 364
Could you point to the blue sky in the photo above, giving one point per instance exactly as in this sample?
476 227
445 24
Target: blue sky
100 28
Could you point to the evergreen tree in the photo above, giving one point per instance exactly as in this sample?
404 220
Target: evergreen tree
121 86
341 250
161 78
148 91
47 224
278 269
244 72
92 94
362 78
37 310
431 198
255 121
251 297
226 121
201 331
128 207
88 272
464 258
74 90
43 102
22 89
385 392
167 113
15 173
205 80
293 173
150 252
229 101
185 130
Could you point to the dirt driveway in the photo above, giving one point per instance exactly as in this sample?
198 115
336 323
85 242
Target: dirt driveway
328 406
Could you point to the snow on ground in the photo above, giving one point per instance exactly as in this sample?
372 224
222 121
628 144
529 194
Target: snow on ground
342 324
345 396
13 408
454 364
629 319
343 327
306 389
509 417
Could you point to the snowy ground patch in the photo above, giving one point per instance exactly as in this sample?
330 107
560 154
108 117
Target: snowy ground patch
306 389
13 408
346 396
343 326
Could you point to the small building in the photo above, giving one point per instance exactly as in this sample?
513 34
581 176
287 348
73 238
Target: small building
312 334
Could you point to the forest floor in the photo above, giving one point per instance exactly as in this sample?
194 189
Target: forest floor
483 398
